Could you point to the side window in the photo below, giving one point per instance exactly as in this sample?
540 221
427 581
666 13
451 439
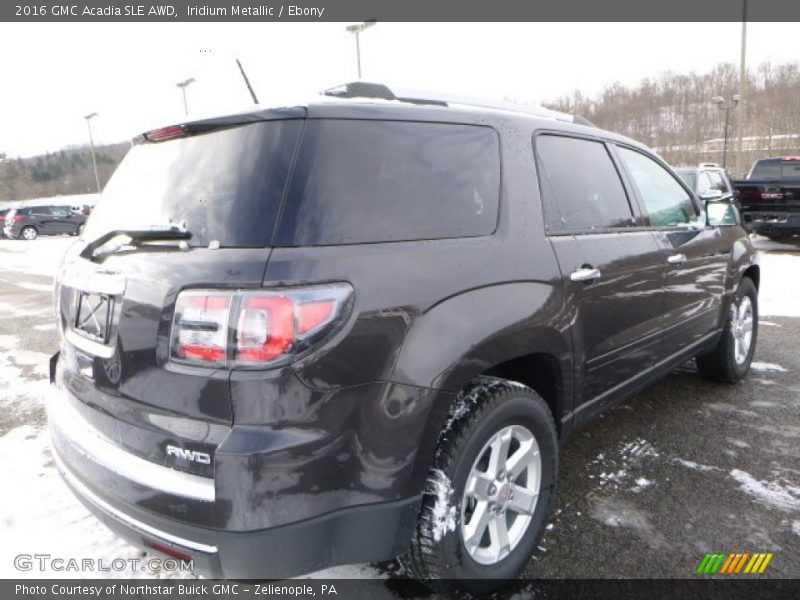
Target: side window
704 183
60 212
667 202
717 182
581 188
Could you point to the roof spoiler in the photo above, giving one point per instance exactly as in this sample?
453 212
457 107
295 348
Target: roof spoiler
380 91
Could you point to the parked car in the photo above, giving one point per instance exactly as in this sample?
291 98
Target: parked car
30 222
706 179
351 330
770 197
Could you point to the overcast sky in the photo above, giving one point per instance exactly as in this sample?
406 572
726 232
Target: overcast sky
53 74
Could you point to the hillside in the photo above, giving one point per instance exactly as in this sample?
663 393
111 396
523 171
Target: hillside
673 113
68 171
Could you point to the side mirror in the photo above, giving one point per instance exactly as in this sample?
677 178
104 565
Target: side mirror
711 195
721 214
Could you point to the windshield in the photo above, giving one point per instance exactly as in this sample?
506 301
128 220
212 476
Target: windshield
689 177
223 186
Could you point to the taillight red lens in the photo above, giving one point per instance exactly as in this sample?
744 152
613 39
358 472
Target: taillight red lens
18 218
266 328
271 326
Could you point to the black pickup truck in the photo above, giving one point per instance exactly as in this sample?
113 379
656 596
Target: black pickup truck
770 197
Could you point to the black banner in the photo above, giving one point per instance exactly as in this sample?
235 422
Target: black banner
379 589
401 10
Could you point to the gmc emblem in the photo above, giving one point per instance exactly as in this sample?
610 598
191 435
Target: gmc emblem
193 455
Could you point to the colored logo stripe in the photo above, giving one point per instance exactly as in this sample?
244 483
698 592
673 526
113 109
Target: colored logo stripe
730 564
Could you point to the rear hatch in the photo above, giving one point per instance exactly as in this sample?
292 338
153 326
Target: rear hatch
220 182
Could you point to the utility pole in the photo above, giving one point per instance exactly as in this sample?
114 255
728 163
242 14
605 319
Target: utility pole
89 118
727 107
739 162
357 30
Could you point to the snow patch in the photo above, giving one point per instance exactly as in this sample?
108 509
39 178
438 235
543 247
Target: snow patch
765 366
615 512
443 515
782 497
690 464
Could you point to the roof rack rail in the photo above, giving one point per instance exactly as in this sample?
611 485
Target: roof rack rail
380 91
709 164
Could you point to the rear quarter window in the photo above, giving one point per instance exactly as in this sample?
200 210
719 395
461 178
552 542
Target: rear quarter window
385 181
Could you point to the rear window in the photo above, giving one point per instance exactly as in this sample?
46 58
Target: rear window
383 181
790 170
224 186
766 169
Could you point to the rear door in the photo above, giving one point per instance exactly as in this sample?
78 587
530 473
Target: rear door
611 267
694 257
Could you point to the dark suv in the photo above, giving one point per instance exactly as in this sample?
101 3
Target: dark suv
355 330
30 222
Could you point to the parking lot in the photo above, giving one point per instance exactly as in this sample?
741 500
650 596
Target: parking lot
683 468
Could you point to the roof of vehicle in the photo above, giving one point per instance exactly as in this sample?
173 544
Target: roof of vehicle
372 101
700 167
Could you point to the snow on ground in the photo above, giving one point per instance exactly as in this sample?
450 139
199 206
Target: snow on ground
38 257
780 286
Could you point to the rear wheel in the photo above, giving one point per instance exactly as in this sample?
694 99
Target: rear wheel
730 360
490 490
29 233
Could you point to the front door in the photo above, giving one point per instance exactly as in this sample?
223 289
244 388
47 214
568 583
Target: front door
694 256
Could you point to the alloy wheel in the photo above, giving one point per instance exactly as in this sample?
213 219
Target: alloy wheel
500 494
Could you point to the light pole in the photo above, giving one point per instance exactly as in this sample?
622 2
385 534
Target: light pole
89 118
742 89
183 85
727 107
357 29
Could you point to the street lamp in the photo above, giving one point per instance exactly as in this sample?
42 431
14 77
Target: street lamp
89 118
183 85
358 29
727 107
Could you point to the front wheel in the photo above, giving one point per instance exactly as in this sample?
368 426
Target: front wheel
730 360
489 491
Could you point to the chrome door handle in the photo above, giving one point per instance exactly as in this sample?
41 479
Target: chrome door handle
676 259
585 274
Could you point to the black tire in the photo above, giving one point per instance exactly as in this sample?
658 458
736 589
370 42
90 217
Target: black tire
720 364
438 555
31 235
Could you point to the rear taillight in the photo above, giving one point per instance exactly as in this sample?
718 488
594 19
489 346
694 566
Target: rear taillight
255 328
18 218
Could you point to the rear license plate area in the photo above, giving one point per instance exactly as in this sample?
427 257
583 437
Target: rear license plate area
93 316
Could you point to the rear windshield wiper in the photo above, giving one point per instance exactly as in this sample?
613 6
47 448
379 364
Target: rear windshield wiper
141 235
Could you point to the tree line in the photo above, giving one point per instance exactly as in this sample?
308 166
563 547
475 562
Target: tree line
673 113
68 171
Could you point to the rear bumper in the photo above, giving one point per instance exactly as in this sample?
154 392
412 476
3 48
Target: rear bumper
359 534
778 222
119 488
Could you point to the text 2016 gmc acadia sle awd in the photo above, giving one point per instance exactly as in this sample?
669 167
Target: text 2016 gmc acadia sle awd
360 329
